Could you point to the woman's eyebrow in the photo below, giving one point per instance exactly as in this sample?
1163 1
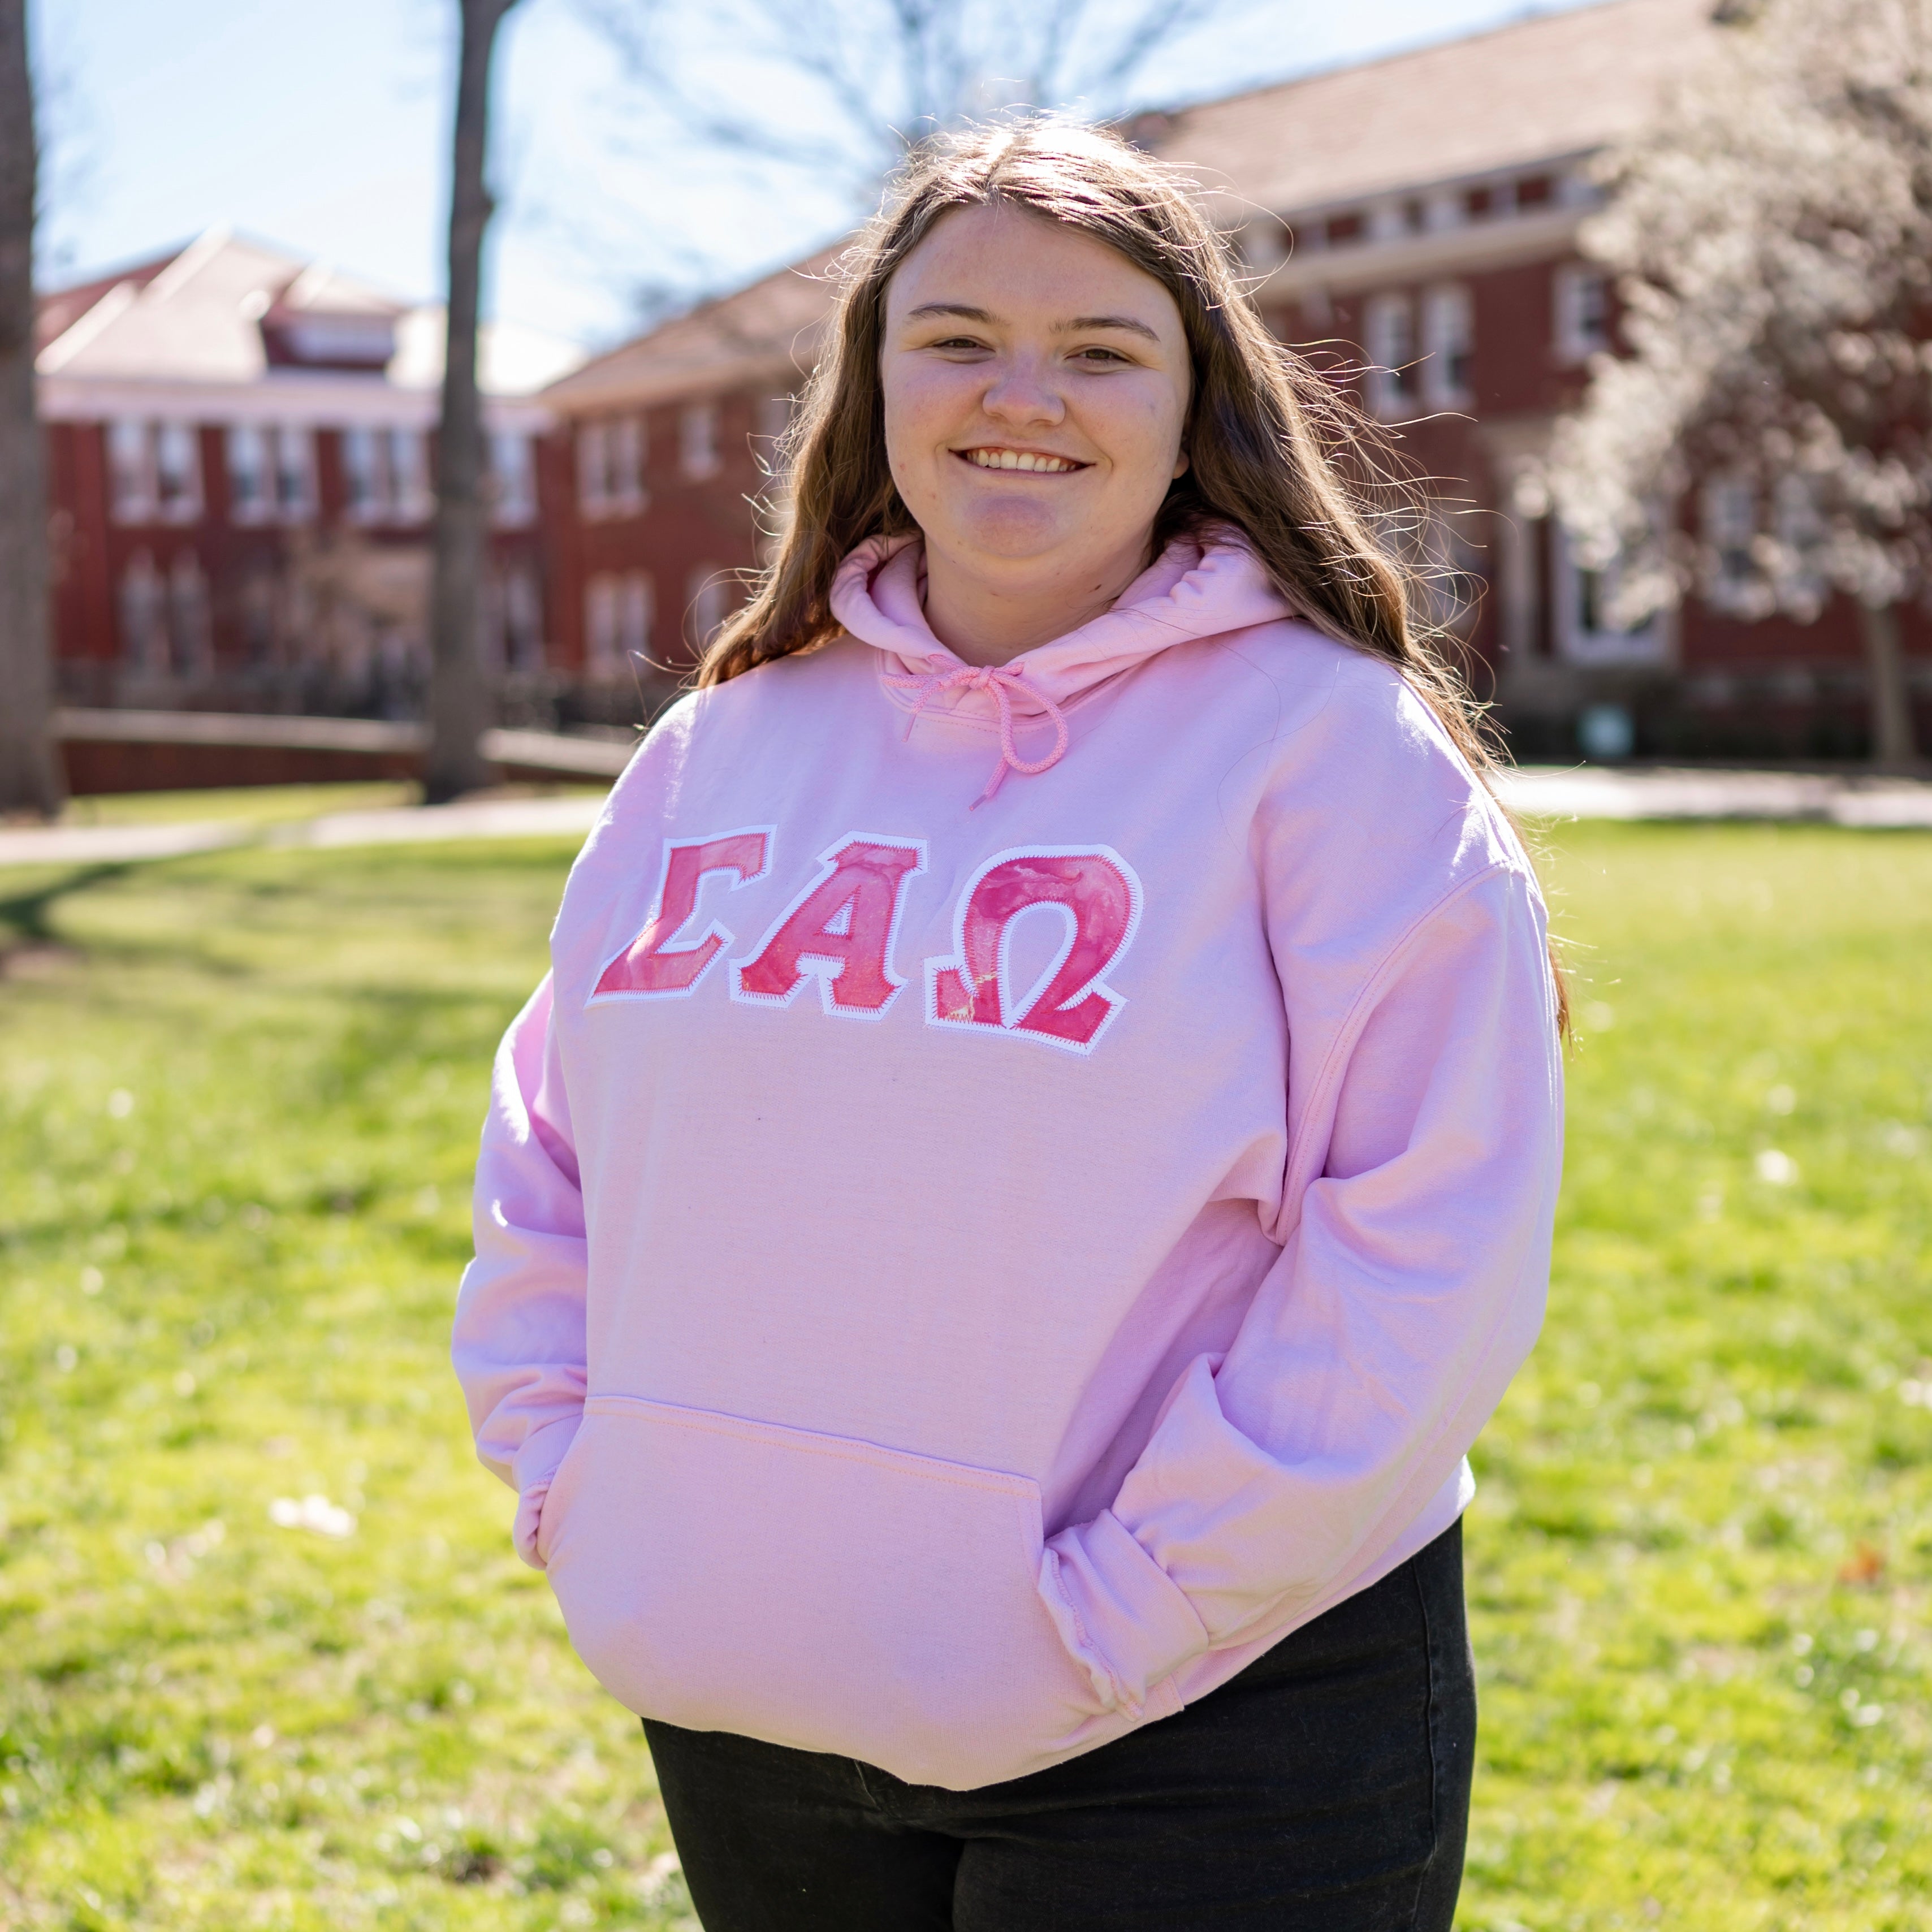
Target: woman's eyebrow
962 309
1081 322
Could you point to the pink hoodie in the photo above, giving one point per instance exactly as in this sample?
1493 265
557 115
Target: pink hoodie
953 1284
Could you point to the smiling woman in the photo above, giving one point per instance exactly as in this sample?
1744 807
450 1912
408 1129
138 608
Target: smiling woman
1016 347
1011 1450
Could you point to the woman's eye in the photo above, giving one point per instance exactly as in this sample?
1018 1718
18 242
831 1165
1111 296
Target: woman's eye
957 342
1098 355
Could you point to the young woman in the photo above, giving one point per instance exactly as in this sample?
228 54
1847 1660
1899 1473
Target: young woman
1036 1156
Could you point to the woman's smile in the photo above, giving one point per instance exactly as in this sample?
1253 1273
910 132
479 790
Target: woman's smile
1024 462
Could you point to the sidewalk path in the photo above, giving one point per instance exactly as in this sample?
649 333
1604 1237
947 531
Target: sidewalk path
1597 791
1536 791
569 817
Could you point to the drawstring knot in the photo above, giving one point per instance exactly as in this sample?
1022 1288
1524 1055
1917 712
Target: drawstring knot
1002 681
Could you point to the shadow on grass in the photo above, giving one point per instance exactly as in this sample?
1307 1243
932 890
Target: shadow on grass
24 919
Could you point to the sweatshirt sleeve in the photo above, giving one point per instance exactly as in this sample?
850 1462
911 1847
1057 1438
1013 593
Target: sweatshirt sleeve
1407 1292
518 1344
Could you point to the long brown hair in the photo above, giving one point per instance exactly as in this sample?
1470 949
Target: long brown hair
1275 448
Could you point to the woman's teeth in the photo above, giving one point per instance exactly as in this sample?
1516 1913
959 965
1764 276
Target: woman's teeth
1019 459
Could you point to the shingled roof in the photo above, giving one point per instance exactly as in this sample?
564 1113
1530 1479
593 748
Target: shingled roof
1542 89
769 331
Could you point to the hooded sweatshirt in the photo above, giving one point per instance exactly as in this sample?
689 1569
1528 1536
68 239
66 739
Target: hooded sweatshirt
965 1263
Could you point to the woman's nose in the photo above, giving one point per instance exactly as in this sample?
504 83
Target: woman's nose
1019 394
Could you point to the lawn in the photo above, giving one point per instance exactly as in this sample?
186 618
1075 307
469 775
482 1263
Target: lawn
269 1662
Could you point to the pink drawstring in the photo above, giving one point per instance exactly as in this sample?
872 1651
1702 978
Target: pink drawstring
1002 682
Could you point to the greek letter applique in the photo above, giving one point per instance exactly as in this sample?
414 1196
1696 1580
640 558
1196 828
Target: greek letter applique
1099 898
839 930
657 964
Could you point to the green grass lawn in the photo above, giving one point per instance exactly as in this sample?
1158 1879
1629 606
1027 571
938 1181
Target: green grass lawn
238 1100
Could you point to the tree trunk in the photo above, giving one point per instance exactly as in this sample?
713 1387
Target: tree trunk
30 776
458 701
1893 746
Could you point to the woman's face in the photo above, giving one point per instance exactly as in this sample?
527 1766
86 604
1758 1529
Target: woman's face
1036 388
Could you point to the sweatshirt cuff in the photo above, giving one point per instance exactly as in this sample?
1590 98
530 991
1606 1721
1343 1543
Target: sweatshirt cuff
531 1470
1119 1611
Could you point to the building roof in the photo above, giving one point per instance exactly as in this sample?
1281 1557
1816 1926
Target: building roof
227 311
1544 89
1541 89
769 330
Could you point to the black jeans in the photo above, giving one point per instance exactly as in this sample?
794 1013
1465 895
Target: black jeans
1326 1788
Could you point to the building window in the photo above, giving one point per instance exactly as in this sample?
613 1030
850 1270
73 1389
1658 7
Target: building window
1391 347
1730 524
1584 632
155 471
1448 341
365 478
388 475
292 450
248 496
523 618
610 467
143 630
188 627
513 478
708 598
130 468
617 613
1582 313
697 441
1535 191
177 472
1339 230
1798 519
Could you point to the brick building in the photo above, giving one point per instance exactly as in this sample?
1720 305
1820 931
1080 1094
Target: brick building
1417 215
239 446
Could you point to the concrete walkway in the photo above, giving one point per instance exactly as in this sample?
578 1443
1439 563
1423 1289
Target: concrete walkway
1599 791
569 817
1543 792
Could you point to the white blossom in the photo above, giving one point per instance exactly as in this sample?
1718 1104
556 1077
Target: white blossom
1770 236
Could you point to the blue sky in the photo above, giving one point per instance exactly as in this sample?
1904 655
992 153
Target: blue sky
323 128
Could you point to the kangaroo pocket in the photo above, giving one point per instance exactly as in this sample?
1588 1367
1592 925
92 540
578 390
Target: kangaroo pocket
813 1591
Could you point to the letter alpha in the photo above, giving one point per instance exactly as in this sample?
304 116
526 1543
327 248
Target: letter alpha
656 964
1103 898
839 930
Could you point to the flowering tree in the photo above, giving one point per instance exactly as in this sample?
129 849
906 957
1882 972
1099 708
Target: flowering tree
1772 235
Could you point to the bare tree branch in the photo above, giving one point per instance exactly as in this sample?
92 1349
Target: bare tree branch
869 77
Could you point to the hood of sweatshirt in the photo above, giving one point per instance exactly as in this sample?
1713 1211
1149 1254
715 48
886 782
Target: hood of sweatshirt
1191 590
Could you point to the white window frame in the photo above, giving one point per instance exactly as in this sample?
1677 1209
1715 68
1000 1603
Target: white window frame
513 479
1448 345
245 451
707 597
177 490
602 651
141 612
130 471
1578 640
698 453
1389 326
189 618
522 617
1582 323
636 609
292 472
1797 516
1727 519
593 466
629 449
